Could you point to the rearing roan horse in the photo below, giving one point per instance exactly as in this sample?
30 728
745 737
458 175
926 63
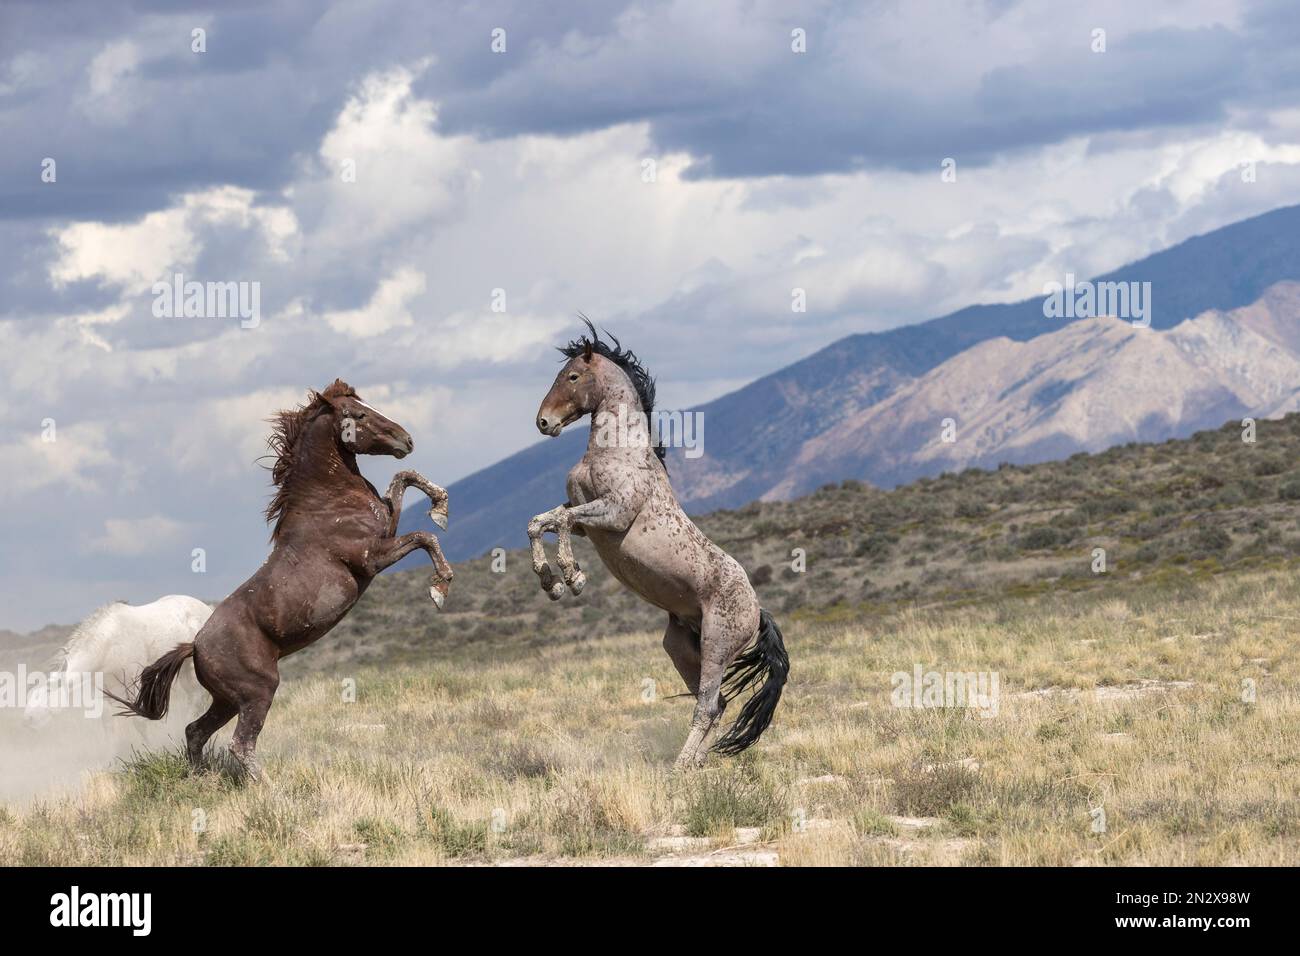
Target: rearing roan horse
620 498
333 534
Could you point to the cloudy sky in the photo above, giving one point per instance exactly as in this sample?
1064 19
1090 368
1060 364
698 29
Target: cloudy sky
674 170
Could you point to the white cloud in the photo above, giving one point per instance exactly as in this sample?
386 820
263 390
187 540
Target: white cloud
383 167
387 308
134 255
128 537
222 438
67 462
109 68
421 411
478 338
1189 169
23 71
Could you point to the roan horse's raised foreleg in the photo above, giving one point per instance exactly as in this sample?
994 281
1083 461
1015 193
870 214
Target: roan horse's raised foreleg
603 514
558 521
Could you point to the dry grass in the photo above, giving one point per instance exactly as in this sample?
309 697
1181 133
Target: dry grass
554 756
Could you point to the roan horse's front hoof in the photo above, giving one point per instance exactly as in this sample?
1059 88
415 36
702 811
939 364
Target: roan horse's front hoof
578 583
552 585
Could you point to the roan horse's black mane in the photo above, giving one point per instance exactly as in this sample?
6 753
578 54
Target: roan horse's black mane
642 380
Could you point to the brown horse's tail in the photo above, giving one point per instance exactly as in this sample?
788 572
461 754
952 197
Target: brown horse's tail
768 659
153 689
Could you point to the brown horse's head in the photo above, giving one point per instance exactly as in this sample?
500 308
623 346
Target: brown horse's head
592 367
356 427
362 430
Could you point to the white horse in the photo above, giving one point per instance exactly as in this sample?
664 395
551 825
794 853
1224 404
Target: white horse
118 641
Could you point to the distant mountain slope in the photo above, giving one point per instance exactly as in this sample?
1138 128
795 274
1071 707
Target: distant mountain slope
752 435
1092 384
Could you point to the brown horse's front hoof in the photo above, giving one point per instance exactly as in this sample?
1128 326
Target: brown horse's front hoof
439 518
438 598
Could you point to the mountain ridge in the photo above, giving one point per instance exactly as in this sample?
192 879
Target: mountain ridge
754 431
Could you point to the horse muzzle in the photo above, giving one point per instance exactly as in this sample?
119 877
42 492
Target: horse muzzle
552 425
403 445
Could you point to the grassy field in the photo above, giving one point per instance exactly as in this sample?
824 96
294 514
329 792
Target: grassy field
1126 732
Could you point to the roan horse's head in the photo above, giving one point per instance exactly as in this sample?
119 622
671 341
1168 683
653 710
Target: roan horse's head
361 429
592 369
576 392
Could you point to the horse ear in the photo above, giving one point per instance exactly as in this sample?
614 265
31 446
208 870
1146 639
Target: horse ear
586 350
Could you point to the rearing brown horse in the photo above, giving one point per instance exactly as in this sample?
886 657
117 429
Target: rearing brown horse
333 534
620 498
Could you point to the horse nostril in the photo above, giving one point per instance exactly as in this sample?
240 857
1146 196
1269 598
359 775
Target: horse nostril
541 423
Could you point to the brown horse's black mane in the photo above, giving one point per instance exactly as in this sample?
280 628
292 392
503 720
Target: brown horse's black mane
287 428
642 380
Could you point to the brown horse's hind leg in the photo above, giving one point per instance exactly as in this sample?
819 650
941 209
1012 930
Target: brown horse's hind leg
245 671
200 732
243 746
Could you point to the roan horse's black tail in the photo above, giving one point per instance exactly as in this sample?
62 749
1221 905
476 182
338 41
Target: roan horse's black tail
767 658
153 690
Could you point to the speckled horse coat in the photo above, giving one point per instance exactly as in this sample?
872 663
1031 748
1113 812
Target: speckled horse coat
620 498
333 534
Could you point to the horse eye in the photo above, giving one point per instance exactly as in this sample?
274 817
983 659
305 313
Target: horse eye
573 377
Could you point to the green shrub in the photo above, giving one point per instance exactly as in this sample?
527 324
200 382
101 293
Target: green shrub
1039 538
734 795
1210 540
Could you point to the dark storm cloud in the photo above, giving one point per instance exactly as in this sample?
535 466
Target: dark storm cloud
742 104
716 81
269 85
